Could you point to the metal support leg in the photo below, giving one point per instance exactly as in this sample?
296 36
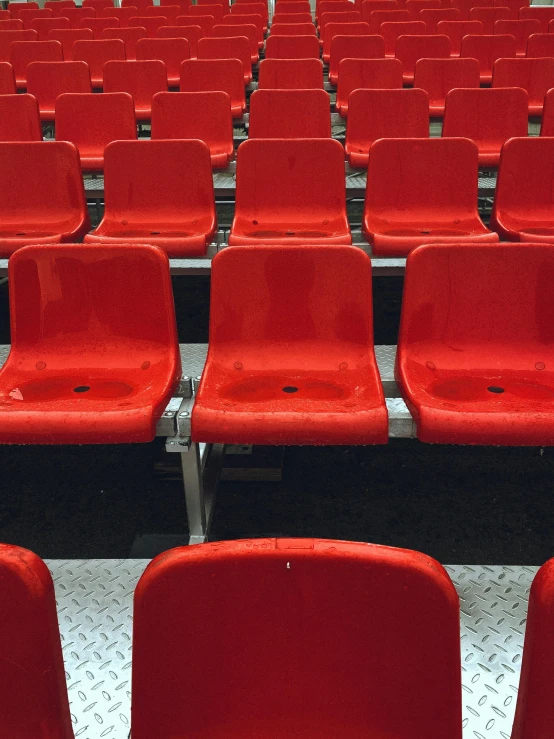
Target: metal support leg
194 494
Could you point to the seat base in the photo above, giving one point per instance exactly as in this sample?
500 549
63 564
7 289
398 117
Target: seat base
175 242
401 241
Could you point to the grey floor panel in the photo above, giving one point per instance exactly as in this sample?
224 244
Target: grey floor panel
95 612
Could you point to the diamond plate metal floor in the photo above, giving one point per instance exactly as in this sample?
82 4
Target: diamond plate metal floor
95 612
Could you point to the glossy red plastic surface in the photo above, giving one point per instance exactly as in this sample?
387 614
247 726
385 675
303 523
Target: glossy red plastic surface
47 80
13 24
254 646
171 51
465 6
221 75
170 12
232 47
377 17
487 49
536 76
141 79
292 18
489 117
158 192
7 79
96 53
196 115
215 10
414 7
91 122
293 29
249 31
342 16
368 6
433 16
122 14
15 7
358 28
368 74
58 7
97 25
205 22
290 6
377 114
67 37
192 34
75 15
249 8
292 47
44 25
83 369
409 49
540 45
19 118
270 114
98 4
438 76
534 717
542 14
302 198
475 343
456 30
27 16
241 19
290 74
298 367
525 212
520 30
547 123
32 679
391 31
489 16
22 53
150 23
8 37
129 36
31 214
353 47
422 191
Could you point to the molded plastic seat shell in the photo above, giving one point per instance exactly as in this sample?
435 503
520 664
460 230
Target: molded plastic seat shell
543 14
301 199
282 602
45 215
521 30
487 49
290 74
465 6
540 44
129 36
232 47
368 74
414 7
438 76
48 80
392 31
192 34
456 30
159 192
141 79
536 76
249 31
220 75
83 368
489 16
171 51
353 47
409 49
270 114
43 26
422 191
123 14
196 115
75 15
377 114
547 123
22 53
433 16
342 29
292 47
292 29
378 17
19 118
488 116
8 37
67 37
32 678
299 366
150 23
91 122
96 53
525 212
7 79
97 25
475 351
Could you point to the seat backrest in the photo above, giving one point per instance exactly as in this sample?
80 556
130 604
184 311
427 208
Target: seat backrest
354 47
130 37
391 31
58 7
96 53
150 23
547 123
414 7
292 29
528 161
534 718
141 79
489 16
409 49
456 30
167 11
487 49
350 16
123 14
433 16
75 15
67 37
292 47
215 10
293 6
520 30
431 174
368 6
7 79
233 47
225 75
27 16
22 53
540 44
465 6
536 76
43 25
378 17
16 7
192 34
369 74
171 51
438 76
290 74
292 18
8 37
276 605
19 117
240 19
47 80
288 114
97 25
251 8
32 679
11 24
221 30
98 4
544 14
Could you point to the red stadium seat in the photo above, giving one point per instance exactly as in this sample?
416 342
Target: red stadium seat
391 31
95 373
353 47
150 23
547 123
233 47
292 390
456 30
7 79
98 4
170 12
291 47
13 24
130 37
192 34
473 343
32 677
28 16
15 7
171 51
489 16
19 117
465 6
51 213
91 122
47 80
409 49
378 17
514 5
283 602
43 26
369 6
160 192
206 22
270 114
520 30
536 76
76 15
377 114
438 76
122 14
301 199
414 7
249 31
368 74
142 4
8 37
96 53
534 717
249 20
59 7
430 196
215 10
331 6
141 79
196 115
540 45
489 117
292 29
525 213
220 75
543 14
250 9
487 49
225 4
292 18
67 37
98 25
290 74
22 53
293 6
348 16
342 29
433 16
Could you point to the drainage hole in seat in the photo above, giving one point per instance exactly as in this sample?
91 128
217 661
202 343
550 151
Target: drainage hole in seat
494 389
290 389
81 389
